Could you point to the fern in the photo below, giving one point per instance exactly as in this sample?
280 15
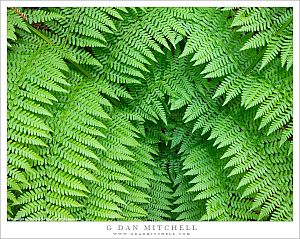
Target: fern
273 30
150 114
15 21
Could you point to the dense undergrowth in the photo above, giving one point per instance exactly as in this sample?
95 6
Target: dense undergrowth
143 114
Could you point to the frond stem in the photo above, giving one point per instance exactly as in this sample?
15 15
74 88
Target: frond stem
260 55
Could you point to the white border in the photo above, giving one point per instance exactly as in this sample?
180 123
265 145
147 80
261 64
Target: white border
98 229
136 3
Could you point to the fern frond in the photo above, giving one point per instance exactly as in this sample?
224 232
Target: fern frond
159 114
274 30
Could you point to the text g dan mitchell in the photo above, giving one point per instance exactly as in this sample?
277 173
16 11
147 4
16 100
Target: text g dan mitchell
151 227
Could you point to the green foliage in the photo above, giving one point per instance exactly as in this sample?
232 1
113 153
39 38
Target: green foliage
272 27
156 114
14 21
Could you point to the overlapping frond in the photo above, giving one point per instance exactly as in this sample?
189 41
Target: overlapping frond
272 28
155 114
